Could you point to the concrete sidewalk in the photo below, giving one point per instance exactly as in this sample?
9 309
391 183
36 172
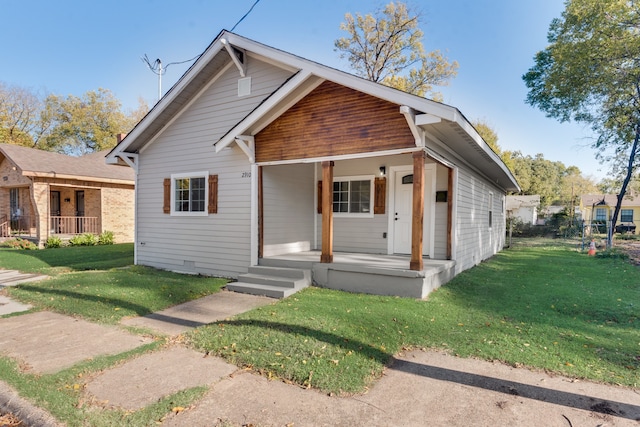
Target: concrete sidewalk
419 388
13 278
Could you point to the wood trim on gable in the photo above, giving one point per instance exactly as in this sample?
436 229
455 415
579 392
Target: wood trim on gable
334 120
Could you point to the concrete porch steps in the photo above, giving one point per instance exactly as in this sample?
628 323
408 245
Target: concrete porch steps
274 282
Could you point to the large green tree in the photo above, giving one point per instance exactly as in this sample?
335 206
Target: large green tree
387 48
81 125
72 125
590 73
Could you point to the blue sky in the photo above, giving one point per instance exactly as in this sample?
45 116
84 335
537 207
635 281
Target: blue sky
71 46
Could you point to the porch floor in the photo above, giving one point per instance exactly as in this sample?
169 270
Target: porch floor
369 273
394 262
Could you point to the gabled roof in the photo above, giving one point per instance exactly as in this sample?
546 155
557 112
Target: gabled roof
91 167
590 200
448 132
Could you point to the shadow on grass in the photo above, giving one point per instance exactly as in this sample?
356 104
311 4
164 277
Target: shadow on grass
93 305
543 394
75 258
336 340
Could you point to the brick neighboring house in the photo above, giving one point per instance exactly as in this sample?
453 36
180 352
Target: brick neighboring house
44 194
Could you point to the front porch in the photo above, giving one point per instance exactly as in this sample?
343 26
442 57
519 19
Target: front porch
368 273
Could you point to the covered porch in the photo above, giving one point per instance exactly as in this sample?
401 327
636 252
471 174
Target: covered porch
368 273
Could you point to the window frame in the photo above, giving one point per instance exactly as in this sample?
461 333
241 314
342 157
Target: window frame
490 210
190 175
350 179
622 212
596 216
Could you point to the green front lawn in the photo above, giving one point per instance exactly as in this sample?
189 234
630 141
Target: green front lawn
99 283
546 307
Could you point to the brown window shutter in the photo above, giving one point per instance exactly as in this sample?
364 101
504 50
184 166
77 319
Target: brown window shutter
380 193
213 194
166 208
319 197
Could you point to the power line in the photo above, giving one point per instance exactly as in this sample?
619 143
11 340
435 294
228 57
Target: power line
245 15
157 68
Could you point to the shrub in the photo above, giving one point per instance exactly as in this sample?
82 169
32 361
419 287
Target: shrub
105 238
615 253
19 243
53 242
86 239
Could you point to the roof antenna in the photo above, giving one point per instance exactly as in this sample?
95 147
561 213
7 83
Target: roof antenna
157 68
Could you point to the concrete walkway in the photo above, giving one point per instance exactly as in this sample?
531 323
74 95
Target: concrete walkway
13 278
419 388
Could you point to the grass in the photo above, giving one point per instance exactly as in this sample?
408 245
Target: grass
97 283
67 259
544 306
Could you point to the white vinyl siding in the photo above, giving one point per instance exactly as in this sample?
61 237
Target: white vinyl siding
288 206
476 241
440 229
213 244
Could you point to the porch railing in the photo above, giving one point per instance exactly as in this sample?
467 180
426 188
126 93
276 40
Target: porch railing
4 226
21 226
74 225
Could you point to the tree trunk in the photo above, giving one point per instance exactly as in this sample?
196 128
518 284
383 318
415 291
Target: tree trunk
625 183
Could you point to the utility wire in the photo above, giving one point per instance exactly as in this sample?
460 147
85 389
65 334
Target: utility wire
157 67
245 15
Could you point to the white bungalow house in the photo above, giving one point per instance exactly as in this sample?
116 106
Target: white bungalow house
275 170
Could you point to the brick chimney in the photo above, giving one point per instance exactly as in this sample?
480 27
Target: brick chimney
120 137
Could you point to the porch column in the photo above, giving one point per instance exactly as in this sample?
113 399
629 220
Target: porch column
418 211
327 212
260 214
449 212
40 205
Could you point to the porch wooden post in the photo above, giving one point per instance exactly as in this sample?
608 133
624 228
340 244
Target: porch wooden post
449 213
260 214
418 211
327 212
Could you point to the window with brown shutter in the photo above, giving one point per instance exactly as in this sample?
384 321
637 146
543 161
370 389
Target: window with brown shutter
380 193
166 207
213 194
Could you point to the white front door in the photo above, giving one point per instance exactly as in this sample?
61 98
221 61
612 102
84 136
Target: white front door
402 214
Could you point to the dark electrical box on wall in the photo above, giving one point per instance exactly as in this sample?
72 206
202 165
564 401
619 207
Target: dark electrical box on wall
441 196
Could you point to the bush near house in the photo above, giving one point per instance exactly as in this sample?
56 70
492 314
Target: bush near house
19 243
53 242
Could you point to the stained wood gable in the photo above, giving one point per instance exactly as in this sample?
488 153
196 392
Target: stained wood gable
334 120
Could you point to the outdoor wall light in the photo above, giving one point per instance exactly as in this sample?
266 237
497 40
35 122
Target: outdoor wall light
383 170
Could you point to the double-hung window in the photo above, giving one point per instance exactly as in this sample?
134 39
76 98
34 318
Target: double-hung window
626 215
353 196
601 214
189 194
